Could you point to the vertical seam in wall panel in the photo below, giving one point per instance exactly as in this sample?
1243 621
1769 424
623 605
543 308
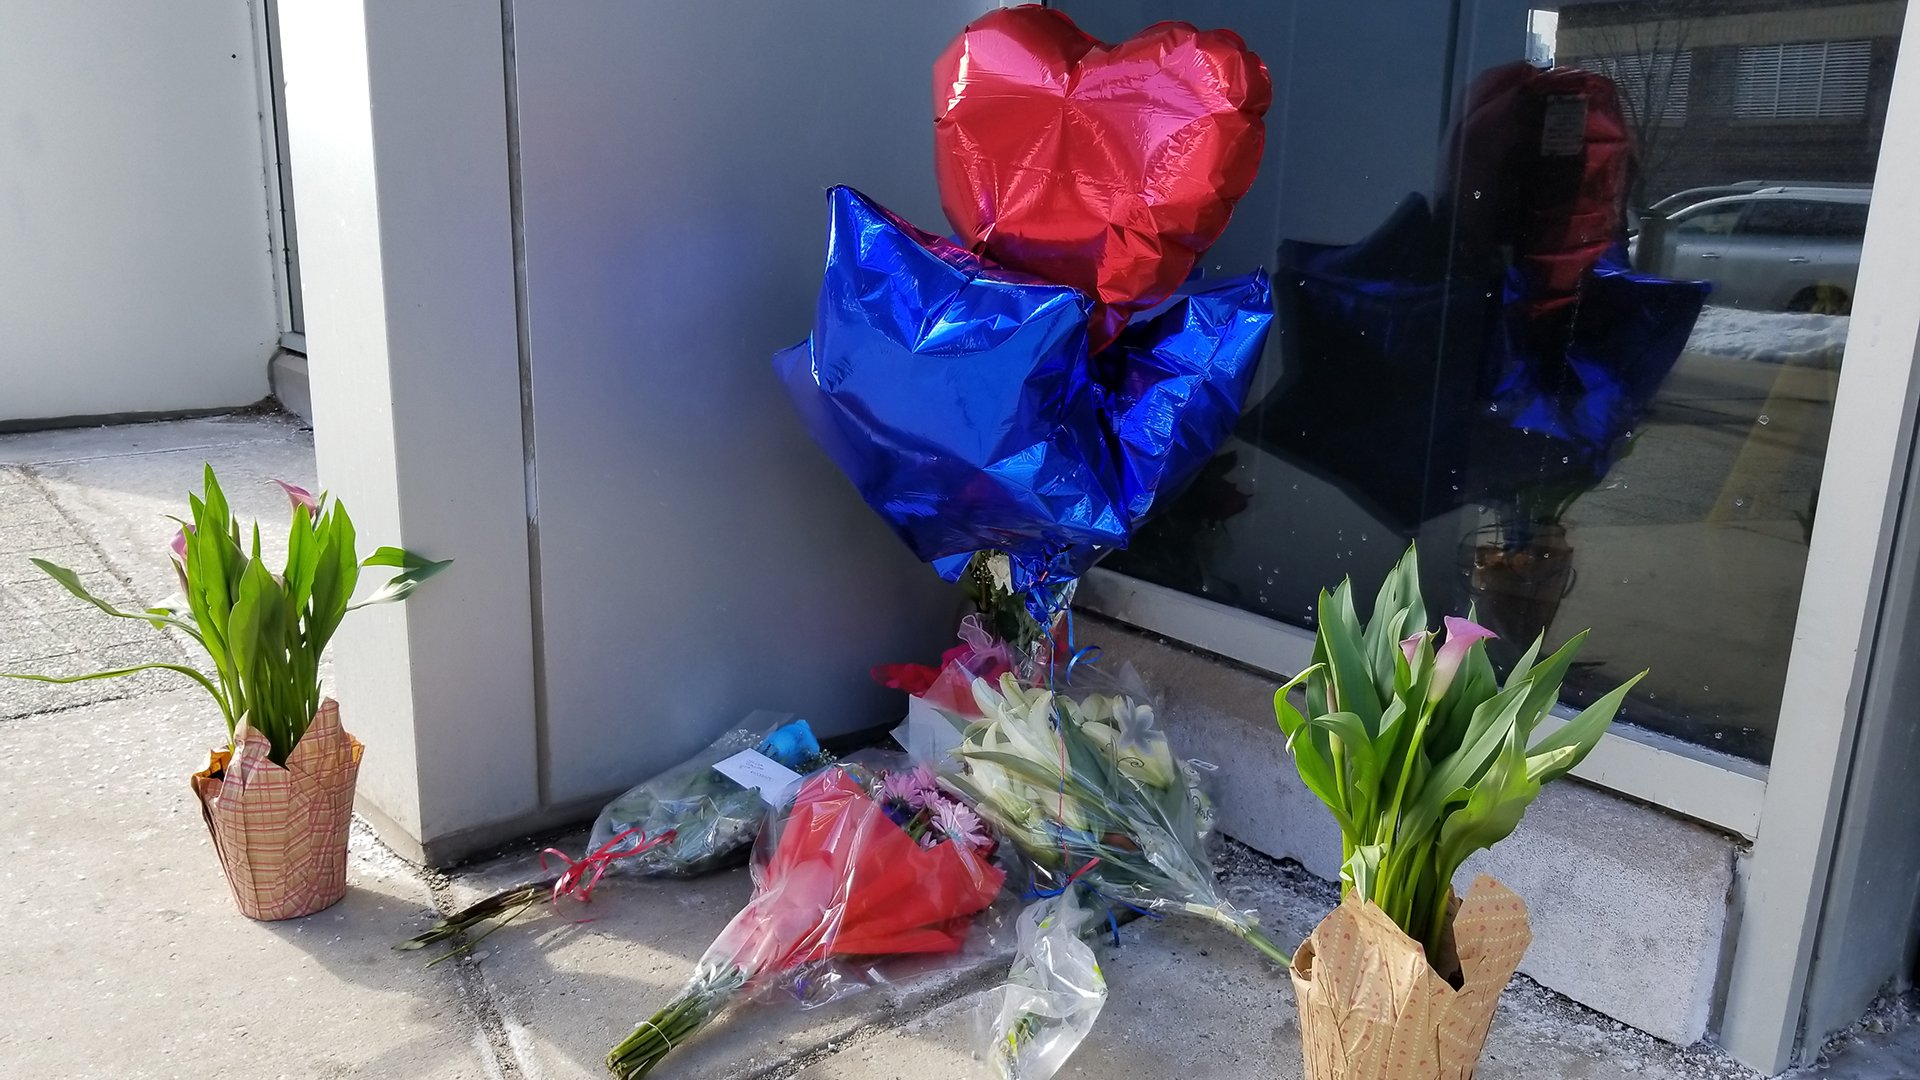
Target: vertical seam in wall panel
1450 168
266 88
1810 1042
543 767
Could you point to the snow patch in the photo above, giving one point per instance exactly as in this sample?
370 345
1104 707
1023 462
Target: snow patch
1770 337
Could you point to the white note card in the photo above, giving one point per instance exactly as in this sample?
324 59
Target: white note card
751 768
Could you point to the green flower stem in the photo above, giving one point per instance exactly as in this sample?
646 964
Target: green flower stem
700 1001
1259 940
505 906
1245 926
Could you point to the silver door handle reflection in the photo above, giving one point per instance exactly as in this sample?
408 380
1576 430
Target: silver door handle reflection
1798 259
1709 254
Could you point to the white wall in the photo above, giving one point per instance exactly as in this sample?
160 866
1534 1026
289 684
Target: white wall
135 274
407 259
647 544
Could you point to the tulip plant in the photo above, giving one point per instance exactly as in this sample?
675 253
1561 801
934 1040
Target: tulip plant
264 632
1421 753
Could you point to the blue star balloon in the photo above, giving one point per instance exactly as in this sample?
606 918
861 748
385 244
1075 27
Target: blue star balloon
959 398
954 394
1180 379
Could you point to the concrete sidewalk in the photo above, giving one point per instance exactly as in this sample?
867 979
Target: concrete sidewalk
124 956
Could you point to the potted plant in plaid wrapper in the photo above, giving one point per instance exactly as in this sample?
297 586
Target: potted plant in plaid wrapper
279 797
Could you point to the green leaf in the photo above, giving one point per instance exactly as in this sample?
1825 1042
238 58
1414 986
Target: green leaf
1579 735
1493 809
1546 766
1491 725
1545 679
303 554
1085 761
1397 727
1352 678
247 639
1310 760
414 570
1525 664
335 576
1288 716
1363 765
1361 872
71 582
181 669
1397 613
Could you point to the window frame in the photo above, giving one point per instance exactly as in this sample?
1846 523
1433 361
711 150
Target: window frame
1694 781
1737 205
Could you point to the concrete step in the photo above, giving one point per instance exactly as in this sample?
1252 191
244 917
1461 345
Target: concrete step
1187 1000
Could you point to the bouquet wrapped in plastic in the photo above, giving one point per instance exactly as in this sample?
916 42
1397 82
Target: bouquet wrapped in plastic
1090 791
865 862
1053 993
940 699
712 818
694 818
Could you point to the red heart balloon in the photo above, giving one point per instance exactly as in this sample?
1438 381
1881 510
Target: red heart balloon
1110 168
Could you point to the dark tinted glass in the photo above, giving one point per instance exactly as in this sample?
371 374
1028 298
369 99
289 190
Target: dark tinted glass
1795 217
1582 427
1713 221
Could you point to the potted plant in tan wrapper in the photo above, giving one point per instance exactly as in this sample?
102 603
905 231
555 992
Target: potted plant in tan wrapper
278 798
1424 757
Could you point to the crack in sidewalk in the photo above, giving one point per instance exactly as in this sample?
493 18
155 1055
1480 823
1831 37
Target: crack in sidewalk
493 1033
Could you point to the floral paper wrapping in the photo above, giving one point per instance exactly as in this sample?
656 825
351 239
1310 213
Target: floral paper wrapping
282 833
1372 1008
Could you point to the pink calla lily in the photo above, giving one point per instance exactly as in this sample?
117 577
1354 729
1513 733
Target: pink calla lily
1411 646
299 496
177 550
1461 636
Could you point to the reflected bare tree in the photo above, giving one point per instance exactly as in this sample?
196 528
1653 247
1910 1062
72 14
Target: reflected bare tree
1647 52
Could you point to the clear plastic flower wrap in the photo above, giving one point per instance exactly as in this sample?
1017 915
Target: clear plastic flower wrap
691 819
1053 994
713 818
1089 790
866 861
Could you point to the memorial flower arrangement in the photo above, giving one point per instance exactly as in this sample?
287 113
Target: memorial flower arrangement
1089 790
1423 756
864 862
688 820
278 798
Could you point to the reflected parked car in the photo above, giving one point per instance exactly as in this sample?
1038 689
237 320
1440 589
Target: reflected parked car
1786 248
1680 200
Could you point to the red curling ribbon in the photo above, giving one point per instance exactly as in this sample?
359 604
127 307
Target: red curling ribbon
584 873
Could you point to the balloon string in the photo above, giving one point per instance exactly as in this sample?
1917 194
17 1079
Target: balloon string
1035 892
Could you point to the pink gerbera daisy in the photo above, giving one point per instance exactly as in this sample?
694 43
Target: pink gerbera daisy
914 787
959 823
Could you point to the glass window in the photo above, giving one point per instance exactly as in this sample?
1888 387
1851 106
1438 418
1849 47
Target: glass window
1781 217
1805 218
1582 428
1711 220
1653 85
1803 80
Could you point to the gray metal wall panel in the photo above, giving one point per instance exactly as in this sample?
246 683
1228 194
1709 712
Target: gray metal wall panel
1867 930
700 557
